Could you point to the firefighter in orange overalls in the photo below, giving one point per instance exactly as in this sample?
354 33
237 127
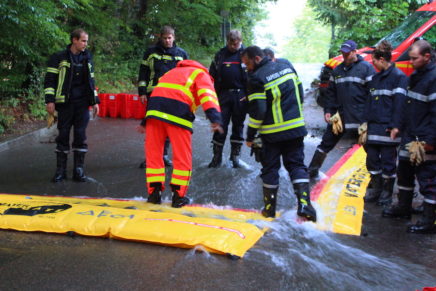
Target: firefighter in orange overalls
170 113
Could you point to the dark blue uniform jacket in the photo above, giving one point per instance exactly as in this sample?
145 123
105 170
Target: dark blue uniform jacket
384 106
348 91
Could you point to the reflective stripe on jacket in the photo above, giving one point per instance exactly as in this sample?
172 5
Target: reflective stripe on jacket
275 98
156 62
58 79
179 93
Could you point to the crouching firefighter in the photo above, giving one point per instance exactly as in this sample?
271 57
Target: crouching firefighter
417 156
69 89
170 114
275 110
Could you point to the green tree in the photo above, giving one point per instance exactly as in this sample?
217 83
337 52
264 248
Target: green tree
365 21
310 40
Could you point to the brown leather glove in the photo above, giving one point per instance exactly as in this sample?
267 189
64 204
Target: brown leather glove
417 152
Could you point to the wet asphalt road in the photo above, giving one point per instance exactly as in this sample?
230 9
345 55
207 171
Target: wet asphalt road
290 257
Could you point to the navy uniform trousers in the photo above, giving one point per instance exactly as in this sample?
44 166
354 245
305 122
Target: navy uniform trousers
232 108
292 153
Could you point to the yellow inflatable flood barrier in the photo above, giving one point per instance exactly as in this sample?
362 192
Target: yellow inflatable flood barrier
340 194
218 230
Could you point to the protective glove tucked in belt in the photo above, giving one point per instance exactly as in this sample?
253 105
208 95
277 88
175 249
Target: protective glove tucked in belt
417 152
52 119
336 124
256 149
363 133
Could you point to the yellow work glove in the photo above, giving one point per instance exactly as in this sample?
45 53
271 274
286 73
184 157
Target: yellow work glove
336 124
363 133
417 152
52 119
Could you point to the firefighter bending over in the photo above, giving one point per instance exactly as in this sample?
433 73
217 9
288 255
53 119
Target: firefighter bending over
170 114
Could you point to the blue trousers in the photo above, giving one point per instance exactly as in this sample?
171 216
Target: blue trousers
381 159
76 115
425 174
292 154
232 108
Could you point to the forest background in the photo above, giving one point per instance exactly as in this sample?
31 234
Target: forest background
121 30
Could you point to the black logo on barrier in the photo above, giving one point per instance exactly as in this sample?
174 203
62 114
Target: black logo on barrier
37 210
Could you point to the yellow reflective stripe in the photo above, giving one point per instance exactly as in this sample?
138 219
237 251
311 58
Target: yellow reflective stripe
279 81
92 75
155 171
144 62
52 70
182 173
255 96
169 117
176 181
61 79
154 56
177 58
176 87
64 64
208 91
297 94
254 123
272 128
208 98
152 73
142 84
277 105
155 179
95 93
167 57
49 91
191 78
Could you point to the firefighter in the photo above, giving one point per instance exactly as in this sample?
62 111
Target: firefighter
276 112
417 156
70 89
346 97
388 89
270 53
230 82
170 114
158 60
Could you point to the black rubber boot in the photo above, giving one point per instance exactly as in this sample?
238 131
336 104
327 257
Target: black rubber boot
78 171
427 223
61 167
386 194
234 154
217 156
178 201
305 208
155 196
269 198
373 194
316 163
404 207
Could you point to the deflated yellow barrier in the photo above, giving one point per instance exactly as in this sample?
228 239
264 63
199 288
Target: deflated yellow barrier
223 231
340 194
